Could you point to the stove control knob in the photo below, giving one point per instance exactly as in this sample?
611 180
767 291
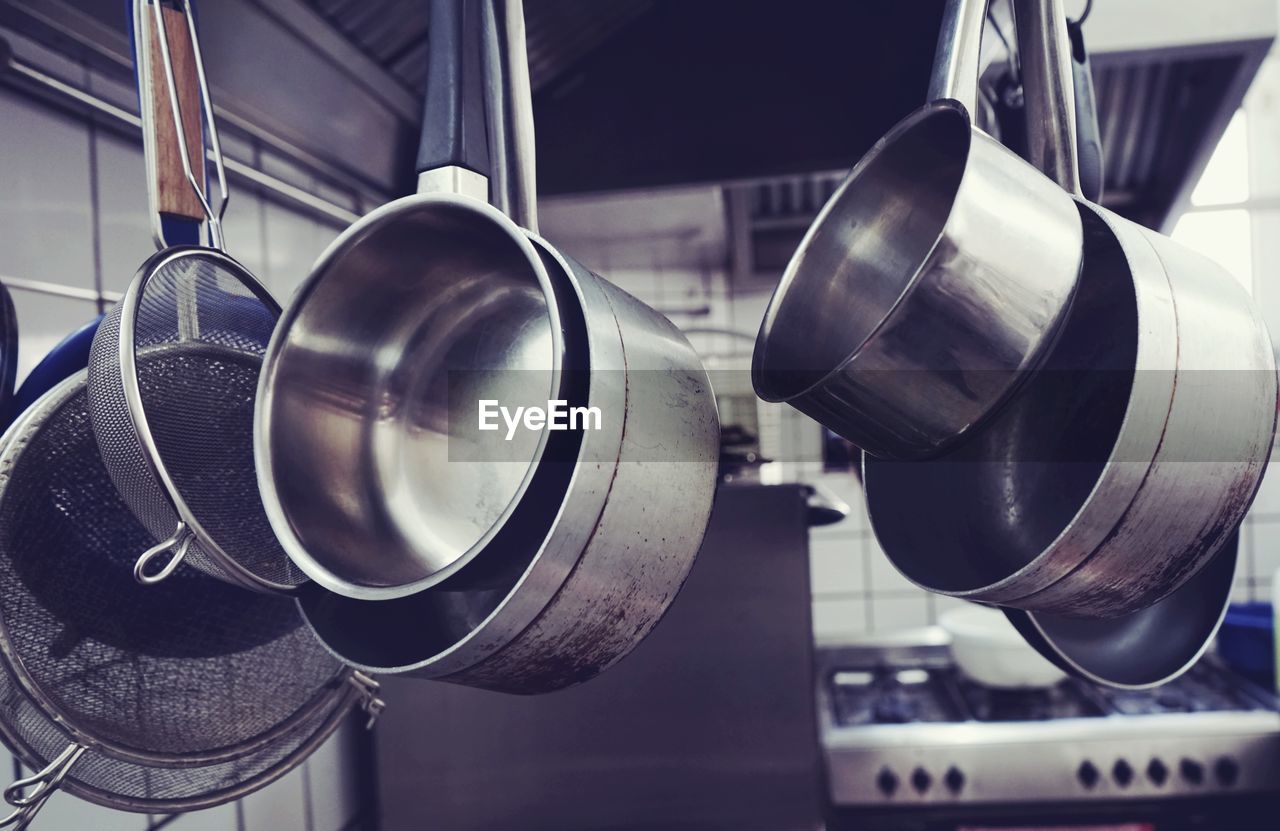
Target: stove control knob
887 782
921 780
1157 772
954 780
1226 771
1192 771
1088 774
1122 772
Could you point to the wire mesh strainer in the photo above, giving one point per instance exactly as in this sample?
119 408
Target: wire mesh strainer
137 696
174 367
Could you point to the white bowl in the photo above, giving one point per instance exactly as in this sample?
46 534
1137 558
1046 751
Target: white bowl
989 650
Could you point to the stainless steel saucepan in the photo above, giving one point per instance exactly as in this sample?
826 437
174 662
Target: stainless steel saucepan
376 470
1118 471
602 540
932 281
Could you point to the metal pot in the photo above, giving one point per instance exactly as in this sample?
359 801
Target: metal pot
1143 649
619 538
1116 473
932 281
376 471
604 537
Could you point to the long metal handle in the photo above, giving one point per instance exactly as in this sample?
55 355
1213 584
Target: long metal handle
956 61
185 85
510 108
1049 90
1088 132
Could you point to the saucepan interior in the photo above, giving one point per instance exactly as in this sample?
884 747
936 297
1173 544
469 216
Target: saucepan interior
419 320
1002 498
395 635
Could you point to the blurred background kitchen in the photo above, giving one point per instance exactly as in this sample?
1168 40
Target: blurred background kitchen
683 148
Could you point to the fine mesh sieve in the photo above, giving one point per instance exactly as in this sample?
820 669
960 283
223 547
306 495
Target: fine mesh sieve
174 368
173 692
173 377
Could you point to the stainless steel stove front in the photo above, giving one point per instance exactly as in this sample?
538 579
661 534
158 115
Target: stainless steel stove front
1110 746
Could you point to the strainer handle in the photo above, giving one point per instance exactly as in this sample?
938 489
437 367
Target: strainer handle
181 541
178 118
43 784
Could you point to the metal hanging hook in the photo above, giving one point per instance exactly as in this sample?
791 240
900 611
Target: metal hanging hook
43 784
209 122
1084 15
181 539
370 702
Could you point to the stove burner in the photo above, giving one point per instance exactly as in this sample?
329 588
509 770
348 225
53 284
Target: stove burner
890 696
992 704
894 708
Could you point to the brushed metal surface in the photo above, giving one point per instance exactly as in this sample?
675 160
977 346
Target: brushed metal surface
618 540
931 283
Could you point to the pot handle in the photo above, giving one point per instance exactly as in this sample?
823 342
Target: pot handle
453 155
1049 90
956 62
1088 133
510 101
1045 56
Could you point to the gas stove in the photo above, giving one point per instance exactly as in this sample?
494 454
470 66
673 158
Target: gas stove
901 728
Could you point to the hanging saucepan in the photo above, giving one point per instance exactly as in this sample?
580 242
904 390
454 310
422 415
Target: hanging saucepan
1145 648
930 284
1114 475
605 537
377 473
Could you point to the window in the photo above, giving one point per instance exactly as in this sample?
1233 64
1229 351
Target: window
1218 224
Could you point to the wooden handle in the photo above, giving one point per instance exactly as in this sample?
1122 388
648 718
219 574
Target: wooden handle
174 195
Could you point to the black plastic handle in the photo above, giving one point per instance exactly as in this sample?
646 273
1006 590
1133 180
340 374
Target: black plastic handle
454 130
1088 133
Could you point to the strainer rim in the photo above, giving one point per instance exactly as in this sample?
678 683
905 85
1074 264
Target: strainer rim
105 798
12 662
128 310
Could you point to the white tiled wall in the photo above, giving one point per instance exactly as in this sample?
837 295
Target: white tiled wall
52 232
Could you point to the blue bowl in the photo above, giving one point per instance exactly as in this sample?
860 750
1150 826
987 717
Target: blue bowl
1246 641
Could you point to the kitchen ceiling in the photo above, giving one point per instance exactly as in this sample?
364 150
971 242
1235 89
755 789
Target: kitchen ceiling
639 94
560 32
730 89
